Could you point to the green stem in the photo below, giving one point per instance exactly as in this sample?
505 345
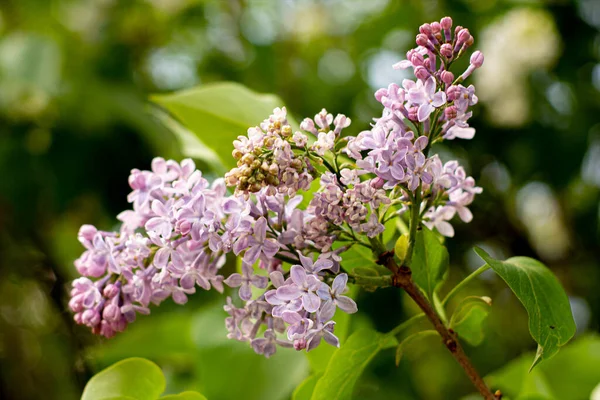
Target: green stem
414 223
415 319
464 283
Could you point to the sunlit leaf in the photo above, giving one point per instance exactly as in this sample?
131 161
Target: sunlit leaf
305 390
184 396
550 319
135 378
218 113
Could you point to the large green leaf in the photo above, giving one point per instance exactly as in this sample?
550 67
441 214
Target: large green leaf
218 113
550 319
305 390
134 378
347 364
468 319
572 374
429 262
184 396
228 369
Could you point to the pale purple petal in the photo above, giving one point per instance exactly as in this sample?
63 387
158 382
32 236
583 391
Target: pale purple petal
251 255
346 304
339 283
289 292
424 111
234 280
327 311
245 292
298 275
260 229
311 301
161 258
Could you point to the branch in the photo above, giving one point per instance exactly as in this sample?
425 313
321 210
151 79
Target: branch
403 279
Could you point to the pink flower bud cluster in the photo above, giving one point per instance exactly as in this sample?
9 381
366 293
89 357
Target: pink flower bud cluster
431 108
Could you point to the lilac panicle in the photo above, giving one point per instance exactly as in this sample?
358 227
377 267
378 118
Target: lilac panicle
180 228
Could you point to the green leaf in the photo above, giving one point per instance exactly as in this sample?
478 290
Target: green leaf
172 330
218 113
572 374
134 378
408 340
319 357
551 322
357 256
348 363
468 319
227 369
305 390
184 396
429 262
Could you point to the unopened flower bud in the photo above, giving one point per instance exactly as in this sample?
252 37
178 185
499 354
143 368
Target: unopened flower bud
477 59
237 154
412 113
453 92
435 28
446 50
447 77
421 73
446 23
422 40
110 291
425 29
450 112
463 36
286 130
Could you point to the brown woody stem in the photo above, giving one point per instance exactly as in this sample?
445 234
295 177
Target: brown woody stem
403 279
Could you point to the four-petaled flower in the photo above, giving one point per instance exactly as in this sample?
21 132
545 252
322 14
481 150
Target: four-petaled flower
259 243
303 286
244 281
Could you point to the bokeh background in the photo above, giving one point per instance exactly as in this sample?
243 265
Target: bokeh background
75 77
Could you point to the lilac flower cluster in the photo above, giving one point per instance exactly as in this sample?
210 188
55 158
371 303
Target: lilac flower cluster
299 303
181 227
181 215
436 107
188 228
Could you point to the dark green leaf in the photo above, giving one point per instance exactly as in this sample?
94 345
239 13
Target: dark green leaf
429 262
468 319
135 378
348 363
550 319
218 113
408 340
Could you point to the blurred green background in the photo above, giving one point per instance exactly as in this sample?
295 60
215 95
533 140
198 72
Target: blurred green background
74 120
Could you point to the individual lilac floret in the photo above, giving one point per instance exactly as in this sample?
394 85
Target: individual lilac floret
335 293
303 286
246 280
